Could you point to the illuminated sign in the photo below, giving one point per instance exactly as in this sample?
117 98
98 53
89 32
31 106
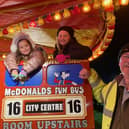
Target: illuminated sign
53 97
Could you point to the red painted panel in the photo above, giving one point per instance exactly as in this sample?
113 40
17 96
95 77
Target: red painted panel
47 106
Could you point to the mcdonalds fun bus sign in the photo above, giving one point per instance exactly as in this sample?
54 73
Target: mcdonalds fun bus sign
53 97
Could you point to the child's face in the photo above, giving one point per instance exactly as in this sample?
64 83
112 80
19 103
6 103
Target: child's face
63 37
24 47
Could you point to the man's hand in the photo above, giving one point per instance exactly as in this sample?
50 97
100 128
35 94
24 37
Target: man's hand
84 73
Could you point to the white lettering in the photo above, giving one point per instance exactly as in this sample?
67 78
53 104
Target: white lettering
61 90
18 125
27 91
77 90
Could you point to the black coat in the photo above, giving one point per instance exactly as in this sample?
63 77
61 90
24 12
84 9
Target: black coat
75 50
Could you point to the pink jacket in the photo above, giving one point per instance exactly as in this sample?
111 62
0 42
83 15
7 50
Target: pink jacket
34 60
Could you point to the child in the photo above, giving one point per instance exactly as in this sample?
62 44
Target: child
23 49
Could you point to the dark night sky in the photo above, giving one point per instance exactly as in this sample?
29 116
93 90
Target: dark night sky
107 64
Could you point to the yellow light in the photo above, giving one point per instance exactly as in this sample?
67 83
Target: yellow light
86 7
124 2
66 13
3 56
17 27
57 16
40 21
10 29
100 52
50 57
107 3
90 59
95 56
97 4
1 34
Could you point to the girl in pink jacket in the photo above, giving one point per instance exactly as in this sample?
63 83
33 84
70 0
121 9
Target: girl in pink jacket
23 49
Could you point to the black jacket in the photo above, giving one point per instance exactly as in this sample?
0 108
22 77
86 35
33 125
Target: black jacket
75 50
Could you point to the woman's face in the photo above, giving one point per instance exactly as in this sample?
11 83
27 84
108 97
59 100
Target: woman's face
63 37
24 47
124 64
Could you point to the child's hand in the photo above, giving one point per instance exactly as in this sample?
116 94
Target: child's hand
22 75
14 74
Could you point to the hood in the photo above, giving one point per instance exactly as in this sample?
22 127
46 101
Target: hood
19 36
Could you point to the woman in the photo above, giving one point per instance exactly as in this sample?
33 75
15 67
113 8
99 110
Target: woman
70 48
68 45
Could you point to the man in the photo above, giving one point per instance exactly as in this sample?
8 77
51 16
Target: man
114 95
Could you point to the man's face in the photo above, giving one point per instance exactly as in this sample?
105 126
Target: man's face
63 37
124 64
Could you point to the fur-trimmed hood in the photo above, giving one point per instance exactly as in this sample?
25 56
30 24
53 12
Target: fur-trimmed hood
19 36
